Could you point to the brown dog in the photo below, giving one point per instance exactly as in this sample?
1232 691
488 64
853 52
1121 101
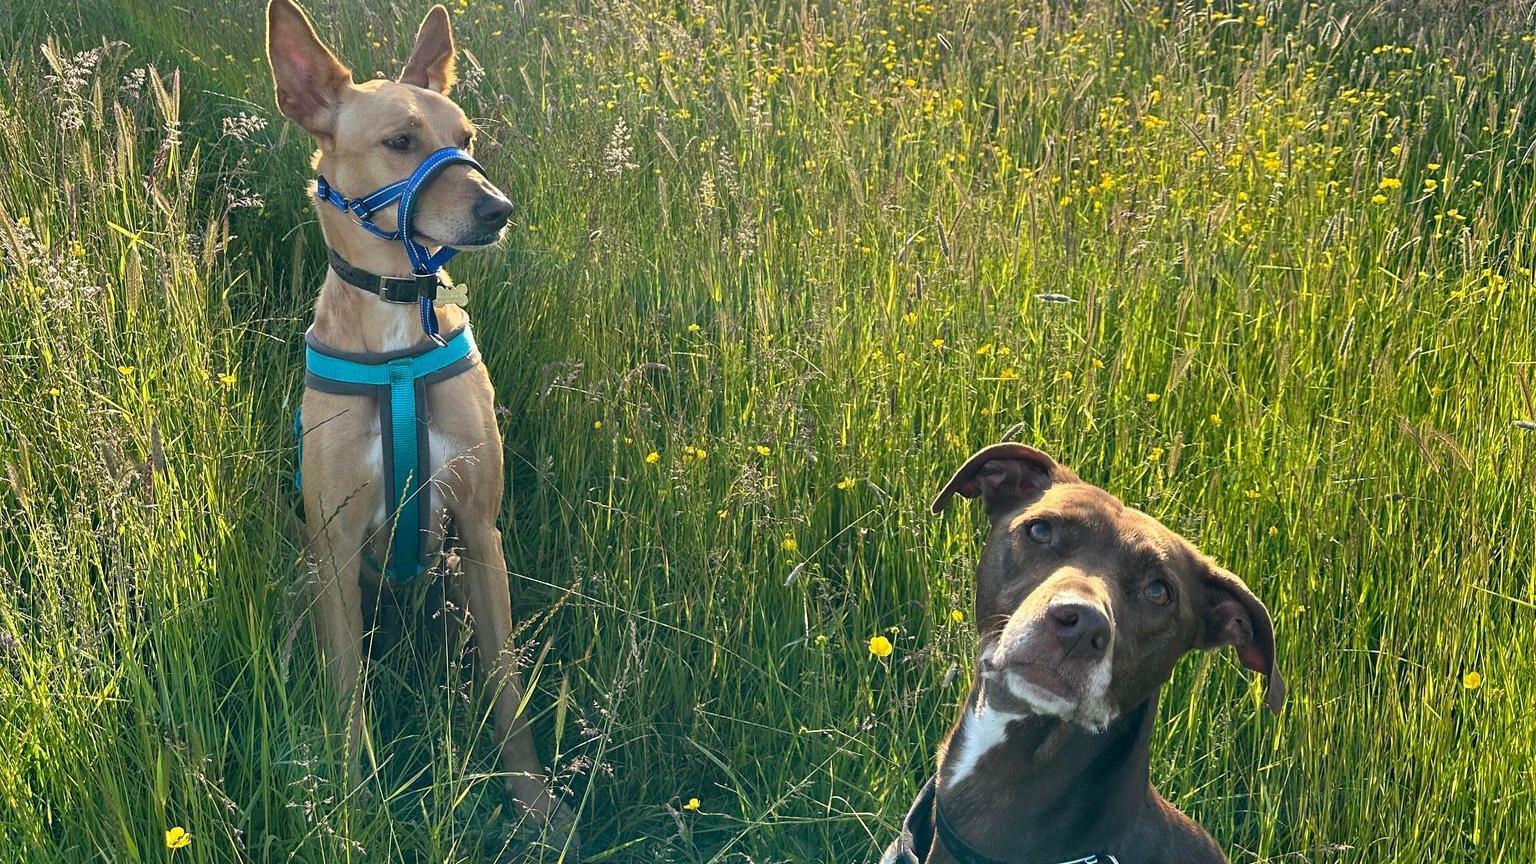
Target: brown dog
370 135
1083 605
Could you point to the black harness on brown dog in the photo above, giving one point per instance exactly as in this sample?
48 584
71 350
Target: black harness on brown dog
926 826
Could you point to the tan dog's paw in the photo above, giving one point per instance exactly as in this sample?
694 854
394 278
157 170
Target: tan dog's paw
548 815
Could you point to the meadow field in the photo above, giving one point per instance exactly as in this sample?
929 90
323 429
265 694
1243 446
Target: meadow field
1262 269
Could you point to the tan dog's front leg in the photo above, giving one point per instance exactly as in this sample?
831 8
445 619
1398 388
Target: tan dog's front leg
490 609
338 617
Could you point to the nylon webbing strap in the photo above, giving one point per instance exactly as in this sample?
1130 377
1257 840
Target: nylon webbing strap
406 548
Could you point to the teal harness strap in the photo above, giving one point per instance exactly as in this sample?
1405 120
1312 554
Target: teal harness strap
405 376
407 486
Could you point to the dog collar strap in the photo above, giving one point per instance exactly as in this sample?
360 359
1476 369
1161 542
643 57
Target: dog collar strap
362 209
391 289
398 382
926 826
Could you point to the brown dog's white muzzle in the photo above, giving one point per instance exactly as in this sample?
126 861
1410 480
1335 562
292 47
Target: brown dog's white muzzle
1054 653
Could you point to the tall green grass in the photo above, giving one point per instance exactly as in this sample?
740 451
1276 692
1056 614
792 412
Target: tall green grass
809 256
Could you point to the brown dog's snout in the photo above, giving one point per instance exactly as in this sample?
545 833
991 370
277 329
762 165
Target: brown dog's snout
1081 628
492 211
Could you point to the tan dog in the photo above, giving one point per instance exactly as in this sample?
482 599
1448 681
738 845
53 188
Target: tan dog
370 135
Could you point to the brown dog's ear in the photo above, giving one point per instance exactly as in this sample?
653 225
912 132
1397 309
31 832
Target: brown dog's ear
1234 616
1004 475
309 78
431 63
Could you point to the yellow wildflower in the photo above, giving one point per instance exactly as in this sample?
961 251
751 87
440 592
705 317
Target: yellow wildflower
652 458
177 837
880 646
693 804
1472 680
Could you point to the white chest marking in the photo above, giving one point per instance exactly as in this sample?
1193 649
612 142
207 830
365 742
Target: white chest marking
447 457
981 730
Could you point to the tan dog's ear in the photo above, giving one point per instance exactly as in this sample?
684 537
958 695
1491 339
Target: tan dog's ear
431 63
1004 475
1234 616
308 76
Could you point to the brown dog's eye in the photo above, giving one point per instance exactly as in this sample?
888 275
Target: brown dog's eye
1159 594
399 142
1039 531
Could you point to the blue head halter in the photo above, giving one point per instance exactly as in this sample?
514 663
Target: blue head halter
362 208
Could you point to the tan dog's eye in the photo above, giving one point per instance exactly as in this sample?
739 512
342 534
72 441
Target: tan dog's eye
1039 531
399 142
1159 594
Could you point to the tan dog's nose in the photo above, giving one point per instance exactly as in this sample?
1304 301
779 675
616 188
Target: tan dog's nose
492 211
1082 629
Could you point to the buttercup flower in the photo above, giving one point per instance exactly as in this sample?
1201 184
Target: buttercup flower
177 838
880 646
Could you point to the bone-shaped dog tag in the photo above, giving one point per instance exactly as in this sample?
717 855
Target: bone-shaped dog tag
457 295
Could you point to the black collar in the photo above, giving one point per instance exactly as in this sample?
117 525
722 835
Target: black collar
926 826
392 289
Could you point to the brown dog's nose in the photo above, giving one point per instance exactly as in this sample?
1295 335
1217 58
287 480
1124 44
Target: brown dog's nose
493 211
1080 628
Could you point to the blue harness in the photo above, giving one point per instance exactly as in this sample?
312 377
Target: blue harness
396 380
